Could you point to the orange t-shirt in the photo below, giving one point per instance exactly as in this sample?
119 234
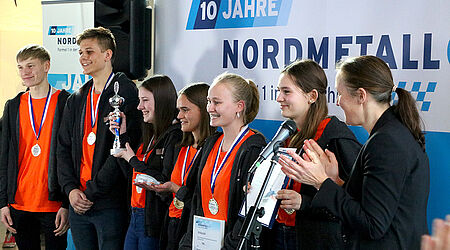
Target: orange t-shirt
222 185
137 193
88 150
289 219
32 180
187 161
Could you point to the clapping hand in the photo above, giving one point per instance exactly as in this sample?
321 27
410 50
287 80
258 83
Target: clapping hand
326 158
313 169
440 240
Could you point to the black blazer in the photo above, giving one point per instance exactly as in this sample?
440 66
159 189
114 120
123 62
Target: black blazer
383 205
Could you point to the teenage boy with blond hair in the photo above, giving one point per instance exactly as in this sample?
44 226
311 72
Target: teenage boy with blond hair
30 198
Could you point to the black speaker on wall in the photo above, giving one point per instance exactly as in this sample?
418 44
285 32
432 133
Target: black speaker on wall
130 22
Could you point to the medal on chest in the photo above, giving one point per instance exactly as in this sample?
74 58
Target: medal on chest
36 149
91 138
213 205
94 112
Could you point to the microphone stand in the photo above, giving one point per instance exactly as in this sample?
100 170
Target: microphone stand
251 229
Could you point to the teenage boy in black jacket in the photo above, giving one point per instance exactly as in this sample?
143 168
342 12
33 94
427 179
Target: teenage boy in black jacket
89 175
30 125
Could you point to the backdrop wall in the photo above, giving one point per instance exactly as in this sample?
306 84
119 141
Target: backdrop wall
199 39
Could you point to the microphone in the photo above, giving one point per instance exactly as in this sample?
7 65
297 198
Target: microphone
286 129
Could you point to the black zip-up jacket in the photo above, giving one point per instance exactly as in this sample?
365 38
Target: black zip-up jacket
317 228
9 168
247 153
159 165
108 185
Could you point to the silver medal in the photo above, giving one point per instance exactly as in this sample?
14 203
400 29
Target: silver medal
213 206
91 138
36 150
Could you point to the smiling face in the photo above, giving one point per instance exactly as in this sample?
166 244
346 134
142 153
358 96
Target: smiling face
348 102
189 114
146 105
221 107
294 103
92 59
33 71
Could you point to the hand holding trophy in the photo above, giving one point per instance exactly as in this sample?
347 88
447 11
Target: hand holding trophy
116 101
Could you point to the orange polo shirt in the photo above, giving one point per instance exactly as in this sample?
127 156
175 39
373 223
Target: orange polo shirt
177 172
32 180
222 186
283 217
138 198
88 150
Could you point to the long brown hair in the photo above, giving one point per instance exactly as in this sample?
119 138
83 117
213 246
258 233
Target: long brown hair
373 74
308 75
165 97
196 93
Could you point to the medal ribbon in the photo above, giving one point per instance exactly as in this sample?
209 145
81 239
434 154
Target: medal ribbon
94 112
216 170
44 114
148 152
186 170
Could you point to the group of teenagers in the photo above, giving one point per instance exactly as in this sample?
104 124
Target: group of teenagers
56 168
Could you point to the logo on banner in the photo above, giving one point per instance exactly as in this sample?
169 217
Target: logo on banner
69 82
60 30
221 14
422 99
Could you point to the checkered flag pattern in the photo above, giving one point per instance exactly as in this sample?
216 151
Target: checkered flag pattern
418 91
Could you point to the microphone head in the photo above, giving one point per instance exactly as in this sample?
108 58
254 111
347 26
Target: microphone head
290 125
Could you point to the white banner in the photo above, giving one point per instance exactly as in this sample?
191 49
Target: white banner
63 20
197 40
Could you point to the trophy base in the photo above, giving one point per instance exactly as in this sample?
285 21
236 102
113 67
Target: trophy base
116 150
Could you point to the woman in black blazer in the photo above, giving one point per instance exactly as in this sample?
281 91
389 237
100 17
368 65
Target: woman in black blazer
383 204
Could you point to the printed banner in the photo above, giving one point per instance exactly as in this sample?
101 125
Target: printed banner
62 22
197 40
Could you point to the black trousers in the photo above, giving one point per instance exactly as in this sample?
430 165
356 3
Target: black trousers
30 225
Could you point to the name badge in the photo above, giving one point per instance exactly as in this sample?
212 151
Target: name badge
159 151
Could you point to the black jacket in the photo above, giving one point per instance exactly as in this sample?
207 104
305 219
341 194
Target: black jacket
319 228
160 164
107 187
247 153
9 168
383 205
184 194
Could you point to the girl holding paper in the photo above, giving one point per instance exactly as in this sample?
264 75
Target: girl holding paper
302 97
155 157
384 201
233 103
195 125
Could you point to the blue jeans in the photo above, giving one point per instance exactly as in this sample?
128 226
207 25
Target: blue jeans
100 229
136 238
286 237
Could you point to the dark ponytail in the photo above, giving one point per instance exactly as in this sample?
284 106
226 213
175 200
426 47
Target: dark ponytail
406 111
372 74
